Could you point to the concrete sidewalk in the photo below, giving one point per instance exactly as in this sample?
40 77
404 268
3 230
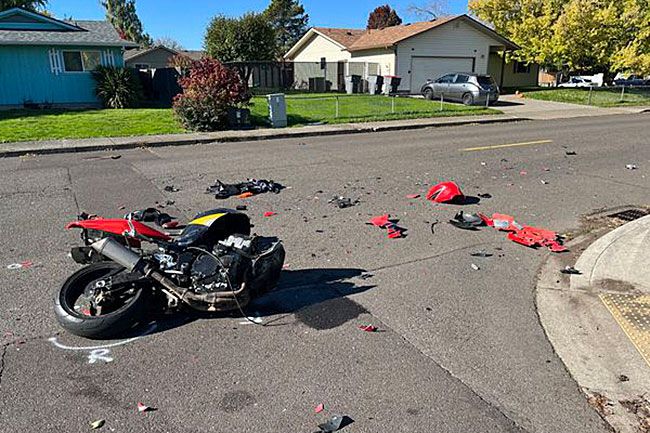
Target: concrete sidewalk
105 143
599 321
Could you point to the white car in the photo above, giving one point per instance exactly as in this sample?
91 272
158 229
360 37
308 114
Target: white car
577 82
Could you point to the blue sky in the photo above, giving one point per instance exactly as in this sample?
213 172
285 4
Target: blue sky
186 20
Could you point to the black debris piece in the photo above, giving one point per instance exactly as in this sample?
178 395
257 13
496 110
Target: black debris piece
623 378
485 195
241 207
149 215
571 271
343 202
570 153
481 254
170 202
335 423
467 221
433 227
171 188
255 186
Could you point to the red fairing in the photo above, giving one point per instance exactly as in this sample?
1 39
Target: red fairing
118 227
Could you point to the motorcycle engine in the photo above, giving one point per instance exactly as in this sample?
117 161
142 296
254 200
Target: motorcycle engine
208 274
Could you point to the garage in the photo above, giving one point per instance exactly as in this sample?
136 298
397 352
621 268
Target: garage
423 68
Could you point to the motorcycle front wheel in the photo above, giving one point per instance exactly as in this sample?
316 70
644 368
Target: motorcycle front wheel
119 314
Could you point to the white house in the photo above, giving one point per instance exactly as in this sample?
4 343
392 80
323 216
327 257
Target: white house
416 52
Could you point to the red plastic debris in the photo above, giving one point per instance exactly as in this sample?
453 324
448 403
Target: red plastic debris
26 264
445 192
395 232
412 196
319 408
368 328
144 408
269 214
380 221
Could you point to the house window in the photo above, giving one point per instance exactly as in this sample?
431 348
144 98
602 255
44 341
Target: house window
522 68
80 61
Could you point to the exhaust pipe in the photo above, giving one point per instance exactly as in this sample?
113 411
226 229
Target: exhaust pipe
118 253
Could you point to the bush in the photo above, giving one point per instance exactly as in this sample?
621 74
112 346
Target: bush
209 90
117 87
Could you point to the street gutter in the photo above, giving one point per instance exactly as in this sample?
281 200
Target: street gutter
107 143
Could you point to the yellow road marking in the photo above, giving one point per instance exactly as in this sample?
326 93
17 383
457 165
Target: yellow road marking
501 146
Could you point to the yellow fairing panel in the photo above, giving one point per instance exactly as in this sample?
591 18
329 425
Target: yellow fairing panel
207 220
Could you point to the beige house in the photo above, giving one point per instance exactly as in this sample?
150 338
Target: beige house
416 52
155 57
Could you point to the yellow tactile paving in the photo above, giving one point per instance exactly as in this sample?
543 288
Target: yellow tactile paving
632 312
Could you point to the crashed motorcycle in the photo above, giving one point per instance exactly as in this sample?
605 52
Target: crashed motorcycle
213 264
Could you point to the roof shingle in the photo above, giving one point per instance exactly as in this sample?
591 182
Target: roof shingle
97 33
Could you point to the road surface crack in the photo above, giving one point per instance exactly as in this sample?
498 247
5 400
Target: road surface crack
2 362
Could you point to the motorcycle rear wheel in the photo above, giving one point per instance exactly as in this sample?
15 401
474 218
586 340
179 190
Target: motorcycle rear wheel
103 326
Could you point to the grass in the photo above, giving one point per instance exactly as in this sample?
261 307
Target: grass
28 125
601 97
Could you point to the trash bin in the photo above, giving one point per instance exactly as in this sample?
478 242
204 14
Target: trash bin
277 110
317 84
391 84
239 118
375 84
352 84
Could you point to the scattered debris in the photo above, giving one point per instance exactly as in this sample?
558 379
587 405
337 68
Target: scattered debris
243 189
446 192
481 253
485 195
570 270
467 221
368 328
319 408
335 423
269 214
523 172
26 264
170 202
171 188
384 221
413 196
570 153
343 202
97 424
149 215
631 167
483 163
525 235
600 403
475 267
144 408
623 378
241 207
433 227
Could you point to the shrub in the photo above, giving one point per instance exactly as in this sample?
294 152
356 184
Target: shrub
209 90
117 87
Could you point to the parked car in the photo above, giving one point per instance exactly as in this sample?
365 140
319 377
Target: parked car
463 87
632 80
577 82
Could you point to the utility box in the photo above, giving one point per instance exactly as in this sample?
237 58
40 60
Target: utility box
277 110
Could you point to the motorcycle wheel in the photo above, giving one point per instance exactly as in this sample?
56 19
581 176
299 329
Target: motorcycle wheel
126 314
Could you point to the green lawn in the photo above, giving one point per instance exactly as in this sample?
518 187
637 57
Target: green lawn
601 97
26 125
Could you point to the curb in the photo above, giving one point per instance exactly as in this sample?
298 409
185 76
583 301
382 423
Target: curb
106 143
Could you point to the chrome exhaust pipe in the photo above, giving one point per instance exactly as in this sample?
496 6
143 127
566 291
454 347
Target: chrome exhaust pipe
115 251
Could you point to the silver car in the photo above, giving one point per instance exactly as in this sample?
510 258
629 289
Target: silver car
463 87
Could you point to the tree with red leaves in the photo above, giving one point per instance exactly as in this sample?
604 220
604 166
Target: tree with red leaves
382 17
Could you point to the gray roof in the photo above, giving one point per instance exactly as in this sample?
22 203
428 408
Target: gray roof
97 33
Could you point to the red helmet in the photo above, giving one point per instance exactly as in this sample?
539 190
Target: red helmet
445 192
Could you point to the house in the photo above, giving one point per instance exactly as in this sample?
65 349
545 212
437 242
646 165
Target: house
45 61
156 57
415 52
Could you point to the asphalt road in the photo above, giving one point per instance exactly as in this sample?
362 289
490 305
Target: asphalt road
462 350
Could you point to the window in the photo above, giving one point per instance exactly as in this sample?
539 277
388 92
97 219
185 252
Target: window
521 68
462 79
80 61
446 79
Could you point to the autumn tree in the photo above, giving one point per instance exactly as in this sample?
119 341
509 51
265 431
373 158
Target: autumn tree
382 17
33 5
429 10
123 16
168 42
289 21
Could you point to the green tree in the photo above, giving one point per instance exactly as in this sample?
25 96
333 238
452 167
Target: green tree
382 17
123 16
33 5
634 53
289 20
246 39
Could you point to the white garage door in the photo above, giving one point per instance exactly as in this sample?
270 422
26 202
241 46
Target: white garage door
423 68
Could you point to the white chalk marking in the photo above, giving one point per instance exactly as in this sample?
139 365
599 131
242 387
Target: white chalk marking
54 341
100 355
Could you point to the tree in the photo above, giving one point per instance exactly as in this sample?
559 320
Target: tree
429 10
246 39
123 16
33 5
382 17
634 54
168 42
289 20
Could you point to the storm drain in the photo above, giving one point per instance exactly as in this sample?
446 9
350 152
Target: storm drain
632 313
630 214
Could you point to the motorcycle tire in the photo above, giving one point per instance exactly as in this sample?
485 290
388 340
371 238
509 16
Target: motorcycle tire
103 326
